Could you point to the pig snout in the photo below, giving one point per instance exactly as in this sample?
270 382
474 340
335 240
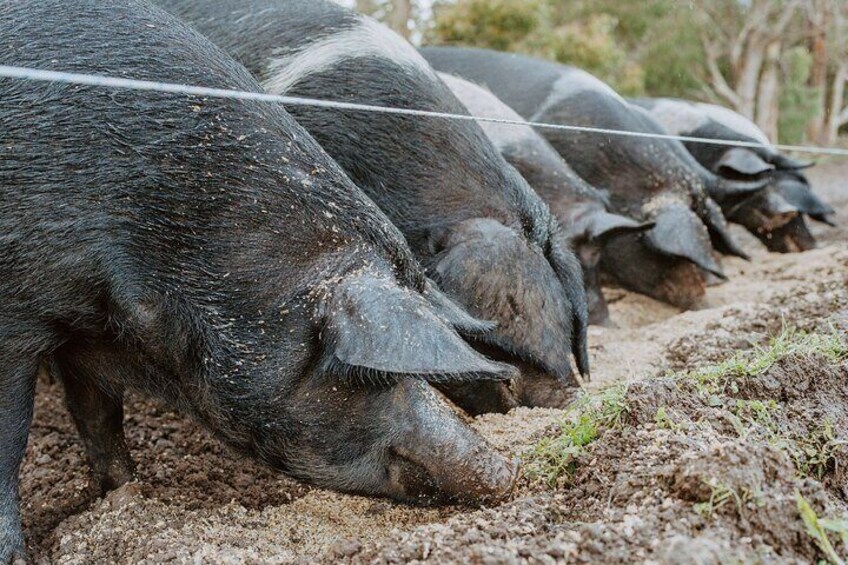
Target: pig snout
638 267
596 303
546 391
473 476
683 287
792 237
438 458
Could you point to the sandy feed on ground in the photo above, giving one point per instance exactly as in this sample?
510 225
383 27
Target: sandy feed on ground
632 498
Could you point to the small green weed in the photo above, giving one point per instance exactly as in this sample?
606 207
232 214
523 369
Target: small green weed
721 494
554 458
817 528
816 453
713 381
756 412
664 421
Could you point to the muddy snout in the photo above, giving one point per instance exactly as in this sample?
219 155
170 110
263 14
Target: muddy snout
538 389
473 476
438 458
683 287
792 237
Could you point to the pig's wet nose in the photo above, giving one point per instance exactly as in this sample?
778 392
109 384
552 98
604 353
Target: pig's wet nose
498 482
481 476
683 286
701 303
484 481
712 280
781 219
599 315
547 391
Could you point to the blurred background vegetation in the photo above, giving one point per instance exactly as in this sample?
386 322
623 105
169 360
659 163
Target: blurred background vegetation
782 63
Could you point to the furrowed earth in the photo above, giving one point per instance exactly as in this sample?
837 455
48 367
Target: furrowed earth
711 436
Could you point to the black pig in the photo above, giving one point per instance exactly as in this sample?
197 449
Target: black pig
648 179
582 210
775 216
209 253
479 229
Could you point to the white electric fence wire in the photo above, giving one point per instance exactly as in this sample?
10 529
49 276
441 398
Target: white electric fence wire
25 73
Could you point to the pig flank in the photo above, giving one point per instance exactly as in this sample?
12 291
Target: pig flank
580 208
208 252
441 182
646 178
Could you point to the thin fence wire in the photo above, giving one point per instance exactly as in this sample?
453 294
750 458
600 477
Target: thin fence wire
26 73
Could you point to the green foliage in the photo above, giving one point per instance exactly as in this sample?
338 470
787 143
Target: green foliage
591 44
663 420
713 380
816 453
648 47
818 529
623 43
554 459
758 412
634 20
543 29
799 103
673 71
497 24
721 494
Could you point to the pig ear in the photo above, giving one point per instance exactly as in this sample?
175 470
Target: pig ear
775 206
679 233
799 194
376 333
496 273
731 191
743 161
568 270
463 322
603 225
788 163
713 218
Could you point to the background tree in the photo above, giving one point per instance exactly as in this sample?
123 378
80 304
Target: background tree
827 24
782 63
400 15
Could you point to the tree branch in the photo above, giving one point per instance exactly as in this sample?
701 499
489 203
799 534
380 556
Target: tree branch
842 118
838 118
788 12
718 83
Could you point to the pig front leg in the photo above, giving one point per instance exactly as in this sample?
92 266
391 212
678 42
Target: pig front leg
99 418
17 394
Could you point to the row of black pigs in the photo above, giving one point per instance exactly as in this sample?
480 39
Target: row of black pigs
312 283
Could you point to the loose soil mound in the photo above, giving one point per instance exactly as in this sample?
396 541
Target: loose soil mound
706 470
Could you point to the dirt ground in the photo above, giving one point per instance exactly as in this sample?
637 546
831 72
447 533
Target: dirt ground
685 488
